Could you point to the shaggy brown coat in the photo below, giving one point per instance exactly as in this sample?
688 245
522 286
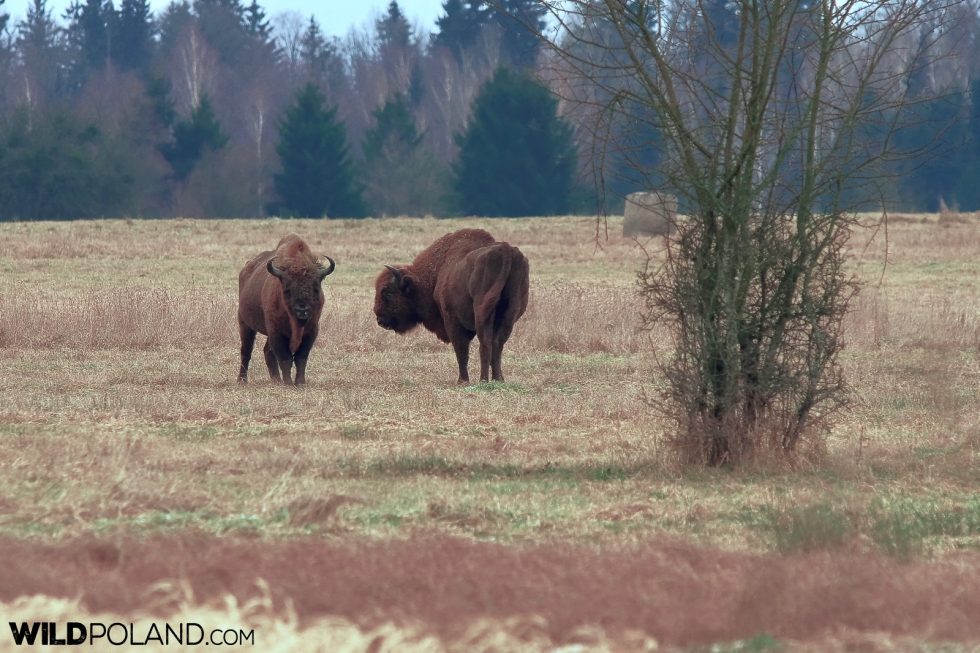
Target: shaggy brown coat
279 295
465 284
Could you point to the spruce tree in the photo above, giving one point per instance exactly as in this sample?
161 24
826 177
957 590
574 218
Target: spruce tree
313 48
318 54
38 31
933 136
89 39
394 132
256 22
223 25
192 137
519 44
39 46
393 29
263 49
55 167
967 190
402 177
517 156
88 32
460 25
317 177
132 48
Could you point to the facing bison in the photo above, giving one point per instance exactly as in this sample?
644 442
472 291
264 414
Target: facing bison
279 295
463 285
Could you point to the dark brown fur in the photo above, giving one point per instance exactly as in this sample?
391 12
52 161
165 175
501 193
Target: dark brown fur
465 284
279 295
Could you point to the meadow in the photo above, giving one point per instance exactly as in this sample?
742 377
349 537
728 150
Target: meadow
382 507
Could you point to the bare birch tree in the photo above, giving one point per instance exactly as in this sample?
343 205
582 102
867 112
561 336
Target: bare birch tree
194 68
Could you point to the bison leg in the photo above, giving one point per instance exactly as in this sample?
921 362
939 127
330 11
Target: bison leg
301 370
248 343
302 355
286 367
500 336
485 334
270 360
280 347
461 345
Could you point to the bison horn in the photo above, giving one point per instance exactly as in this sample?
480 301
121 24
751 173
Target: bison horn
273 270
395 273
325 271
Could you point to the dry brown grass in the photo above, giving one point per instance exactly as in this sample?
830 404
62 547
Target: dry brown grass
120 416
676 594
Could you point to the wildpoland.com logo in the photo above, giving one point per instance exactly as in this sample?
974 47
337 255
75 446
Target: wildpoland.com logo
76 633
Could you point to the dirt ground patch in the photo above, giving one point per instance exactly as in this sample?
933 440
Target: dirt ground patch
677 593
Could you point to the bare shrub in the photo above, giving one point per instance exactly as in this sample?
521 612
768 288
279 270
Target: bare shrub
773 122
755 358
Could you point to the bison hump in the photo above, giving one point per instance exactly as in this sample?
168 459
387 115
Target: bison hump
291 246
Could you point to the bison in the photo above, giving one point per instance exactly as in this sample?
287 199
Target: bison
279 295
465 284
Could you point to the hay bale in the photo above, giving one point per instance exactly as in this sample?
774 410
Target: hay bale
649 214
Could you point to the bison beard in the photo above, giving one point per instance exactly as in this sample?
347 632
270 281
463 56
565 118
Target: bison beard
279 295
465 284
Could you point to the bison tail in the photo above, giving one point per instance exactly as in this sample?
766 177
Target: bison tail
501 264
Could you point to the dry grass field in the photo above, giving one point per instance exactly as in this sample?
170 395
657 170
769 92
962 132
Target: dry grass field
383 508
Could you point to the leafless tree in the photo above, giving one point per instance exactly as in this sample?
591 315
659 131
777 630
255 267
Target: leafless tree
451 85
194 67
773 121
289 27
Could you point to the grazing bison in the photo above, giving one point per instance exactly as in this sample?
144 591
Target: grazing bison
465 284
279 295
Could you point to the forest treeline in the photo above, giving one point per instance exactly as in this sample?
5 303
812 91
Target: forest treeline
212 108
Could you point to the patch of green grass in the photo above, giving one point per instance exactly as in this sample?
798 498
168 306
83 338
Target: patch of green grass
188 432
31 529
567 389
817 526
610 473
926 453
902 527
166 520
407 464
354 432
412 464
761 642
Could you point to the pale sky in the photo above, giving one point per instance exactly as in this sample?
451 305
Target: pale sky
336 17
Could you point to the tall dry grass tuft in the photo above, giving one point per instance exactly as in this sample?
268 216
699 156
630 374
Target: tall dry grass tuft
882 319
580 318
561 317
117 318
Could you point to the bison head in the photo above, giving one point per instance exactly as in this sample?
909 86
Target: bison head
301 288
394 300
